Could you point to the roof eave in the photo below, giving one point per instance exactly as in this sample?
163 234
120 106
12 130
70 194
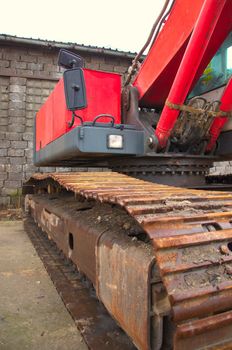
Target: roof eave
9 39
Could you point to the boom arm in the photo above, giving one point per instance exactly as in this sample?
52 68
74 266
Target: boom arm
178 58
219 122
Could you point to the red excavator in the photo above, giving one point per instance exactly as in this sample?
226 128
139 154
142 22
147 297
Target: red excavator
150 233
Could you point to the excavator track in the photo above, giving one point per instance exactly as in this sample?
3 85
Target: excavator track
97 328
185 302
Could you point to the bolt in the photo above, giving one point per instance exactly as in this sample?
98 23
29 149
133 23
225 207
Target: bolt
224 249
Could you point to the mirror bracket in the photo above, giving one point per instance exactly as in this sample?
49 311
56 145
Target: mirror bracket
70 60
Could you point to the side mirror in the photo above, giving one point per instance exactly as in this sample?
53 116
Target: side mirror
74 87
70 60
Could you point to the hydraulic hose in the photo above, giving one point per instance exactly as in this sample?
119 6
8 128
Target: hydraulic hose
155 29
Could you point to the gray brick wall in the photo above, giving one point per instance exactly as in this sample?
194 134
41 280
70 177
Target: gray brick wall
27 76
221 168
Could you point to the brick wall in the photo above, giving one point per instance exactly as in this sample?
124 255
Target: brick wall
27 76
221 168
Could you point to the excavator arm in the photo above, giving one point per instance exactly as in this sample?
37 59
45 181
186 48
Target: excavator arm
186 44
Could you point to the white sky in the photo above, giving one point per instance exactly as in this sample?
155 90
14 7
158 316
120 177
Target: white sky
121 24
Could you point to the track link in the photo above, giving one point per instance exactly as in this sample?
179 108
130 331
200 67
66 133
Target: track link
191 232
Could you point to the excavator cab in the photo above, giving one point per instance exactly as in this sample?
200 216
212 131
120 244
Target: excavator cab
217 73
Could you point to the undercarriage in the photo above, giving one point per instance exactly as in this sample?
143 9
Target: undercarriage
159 257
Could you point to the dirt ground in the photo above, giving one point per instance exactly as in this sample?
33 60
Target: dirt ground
11 214
32 315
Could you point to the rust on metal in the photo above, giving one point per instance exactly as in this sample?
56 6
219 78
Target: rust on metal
98 329
124 268
103 253
190 109
191 232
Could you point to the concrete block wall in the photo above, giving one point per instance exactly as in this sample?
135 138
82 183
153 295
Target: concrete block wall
221 168
27 76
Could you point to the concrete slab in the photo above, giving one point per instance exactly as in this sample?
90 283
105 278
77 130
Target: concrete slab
32 315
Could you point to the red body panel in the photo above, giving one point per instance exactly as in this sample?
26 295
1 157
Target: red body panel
158 71
103 91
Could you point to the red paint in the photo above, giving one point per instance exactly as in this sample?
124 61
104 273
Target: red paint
219 122
103 91
211 29
156 75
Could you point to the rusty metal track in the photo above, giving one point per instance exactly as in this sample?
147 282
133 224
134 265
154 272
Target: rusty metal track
97 327
191 231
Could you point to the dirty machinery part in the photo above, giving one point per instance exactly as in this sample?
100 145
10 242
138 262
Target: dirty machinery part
180 170
98 329
159 257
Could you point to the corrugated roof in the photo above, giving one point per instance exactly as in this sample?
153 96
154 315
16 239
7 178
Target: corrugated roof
57 45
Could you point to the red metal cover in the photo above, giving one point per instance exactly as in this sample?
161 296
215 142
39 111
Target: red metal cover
103 92
158 71
211 29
